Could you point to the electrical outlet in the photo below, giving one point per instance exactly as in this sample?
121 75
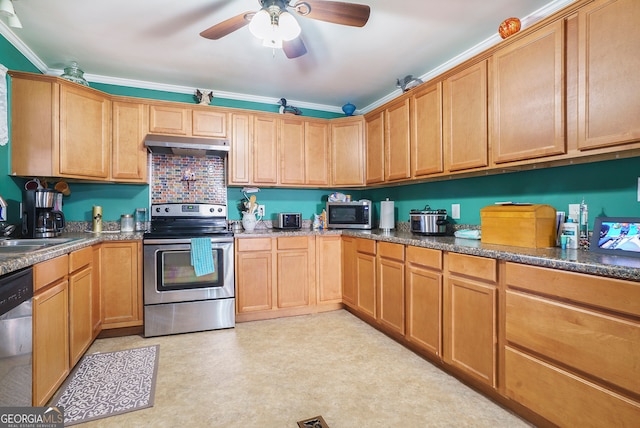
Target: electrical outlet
261 210
455 211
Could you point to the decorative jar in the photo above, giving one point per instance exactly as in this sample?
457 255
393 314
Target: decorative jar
509 27
348 109
74 74
249 221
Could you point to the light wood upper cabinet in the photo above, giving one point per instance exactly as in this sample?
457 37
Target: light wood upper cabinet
609 81
265 150
397 161
527 96
209 123
84 132
375 147
185 120
59 128
347 151
465 119
240 155
292 151
426 131
316 153
128 153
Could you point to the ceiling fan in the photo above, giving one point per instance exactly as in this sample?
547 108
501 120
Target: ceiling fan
279 29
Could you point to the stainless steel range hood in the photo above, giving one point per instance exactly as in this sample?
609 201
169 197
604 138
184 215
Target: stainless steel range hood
186 146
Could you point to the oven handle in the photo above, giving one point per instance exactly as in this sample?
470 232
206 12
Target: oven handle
165 241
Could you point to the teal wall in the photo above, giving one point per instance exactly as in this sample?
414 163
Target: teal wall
608 187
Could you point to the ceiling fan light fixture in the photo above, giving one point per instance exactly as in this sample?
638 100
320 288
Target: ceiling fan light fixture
6 8
288 26
260 25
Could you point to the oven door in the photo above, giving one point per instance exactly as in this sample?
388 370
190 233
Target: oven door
169 276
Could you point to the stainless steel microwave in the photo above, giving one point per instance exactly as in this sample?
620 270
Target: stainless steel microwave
350 215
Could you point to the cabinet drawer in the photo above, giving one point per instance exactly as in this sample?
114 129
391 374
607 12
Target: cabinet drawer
562 398
48 272
425 257
603 346
253 244
367 246
615 294
391 251
473 266
293 243
80 258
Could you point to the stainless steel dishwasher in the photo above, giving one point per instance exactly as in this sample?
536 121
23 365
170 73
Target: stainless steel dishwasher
16 324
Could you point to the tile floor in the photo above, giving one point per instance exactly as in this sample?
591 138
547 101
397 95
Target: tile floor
277 372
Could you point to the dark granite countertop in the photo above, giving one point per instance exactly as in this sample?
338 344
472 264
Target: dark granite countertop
581 261
10 263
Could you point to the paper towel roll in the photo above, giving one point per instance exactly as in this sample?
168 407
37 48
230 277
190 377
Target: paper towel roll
387 215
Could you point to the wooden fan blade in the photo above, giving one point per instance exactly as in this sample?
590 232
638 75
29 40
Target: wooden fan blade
226 27
294 48
355 15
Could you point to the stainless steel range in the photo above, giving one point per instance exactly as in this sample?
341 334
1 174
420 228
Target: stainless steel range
176 299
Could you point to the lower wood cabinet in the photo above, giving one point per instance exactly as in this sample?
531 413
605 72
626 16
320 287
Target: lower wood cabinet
50 328
80 303
121 281
291 275
366 267
470 316
572 351
391 287
424 299
349 283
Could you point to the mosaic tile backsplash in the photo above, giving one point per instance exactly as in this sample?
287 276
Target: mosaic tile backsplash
188 179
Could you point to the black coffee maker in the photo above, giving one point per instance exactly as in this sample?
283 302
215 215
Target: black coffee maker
40 219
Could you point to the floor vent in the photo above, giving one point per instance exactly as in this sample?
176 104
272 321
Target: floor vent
315 422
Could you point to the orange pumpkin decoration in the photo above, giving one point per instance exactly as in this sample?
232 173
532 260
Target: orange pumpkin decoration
509 27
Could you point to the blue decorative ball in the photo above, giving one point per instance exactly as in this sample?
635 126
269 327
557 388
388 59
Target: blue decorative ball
348 109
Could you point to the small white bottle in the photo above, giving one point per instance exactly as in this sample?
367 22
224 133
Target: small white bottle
572 231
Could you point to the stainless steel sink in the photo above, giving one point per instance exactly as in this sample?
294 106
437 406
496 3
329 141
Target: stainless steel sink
21 246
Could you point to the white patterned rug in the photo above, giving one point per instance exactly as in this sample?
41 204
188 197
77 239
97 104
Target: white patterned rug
108 384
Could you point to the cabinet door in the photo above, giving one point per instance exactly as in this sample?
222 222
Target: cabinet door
426 131
316 153
85 133
128 153
609 82
470 328
397 163
254 281
209 123
121 284
96 295
292 152
465 118
80 314
349 277
366 281
424 302
375 147
34 136
329 269
169 120
240 154
347 152
265 150
294 272
391 286
528 90
50 341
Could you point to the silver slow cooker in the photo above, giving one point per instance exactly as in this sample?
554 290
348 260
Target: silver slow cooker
428 221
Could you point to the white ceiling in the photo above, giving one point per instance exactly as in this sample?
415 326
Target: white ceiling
156 44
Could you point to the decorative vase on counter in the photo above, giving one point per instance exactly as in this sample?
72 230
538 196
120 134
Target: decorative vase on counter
348 109
249 221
